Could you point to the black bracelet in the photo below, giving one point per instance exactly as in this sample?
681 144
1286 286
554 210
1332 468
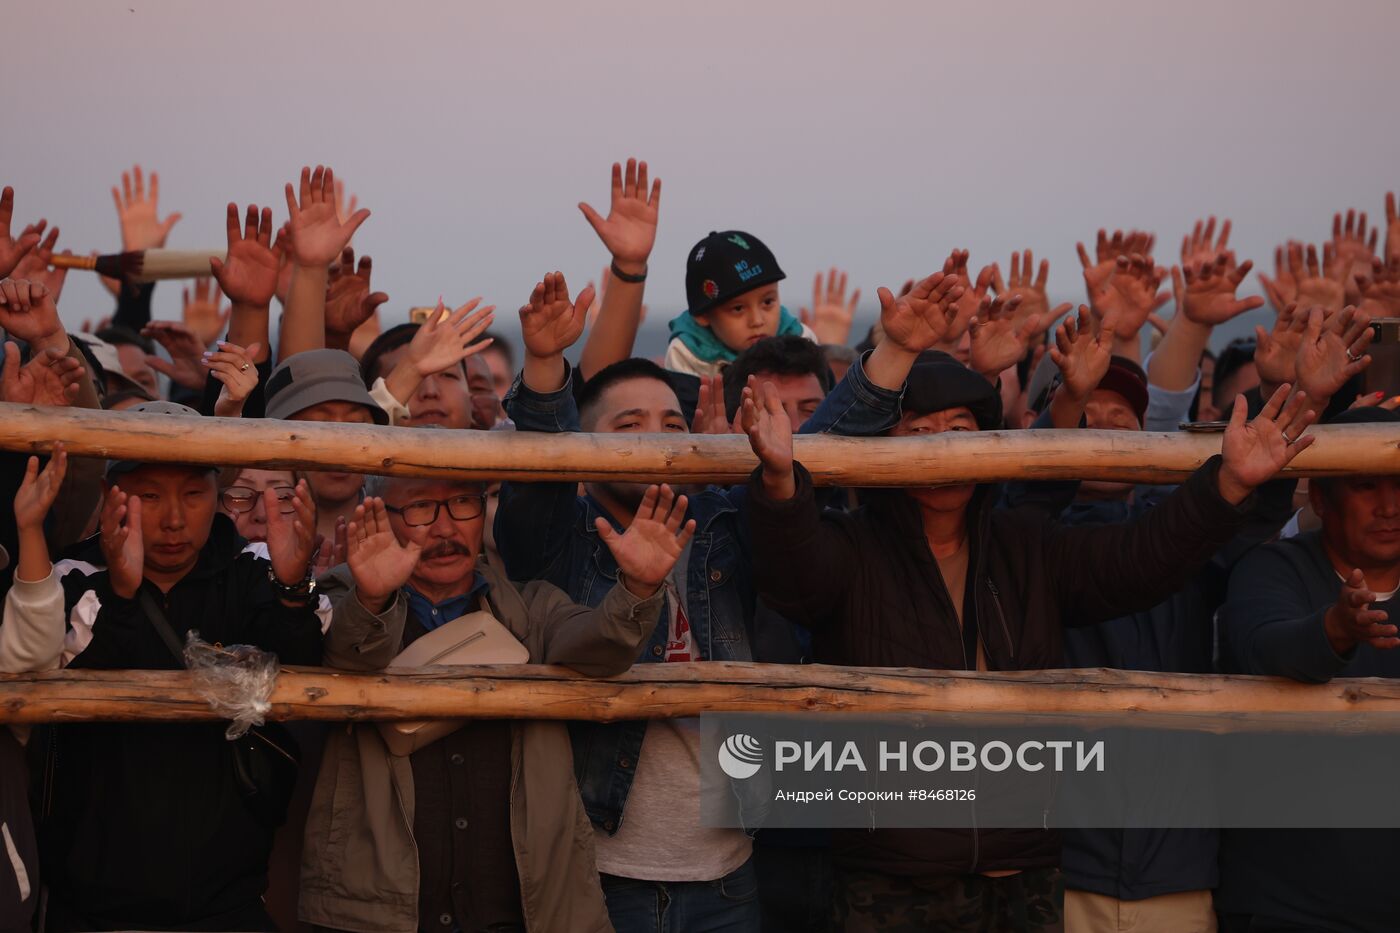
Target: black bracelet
300 592
626 277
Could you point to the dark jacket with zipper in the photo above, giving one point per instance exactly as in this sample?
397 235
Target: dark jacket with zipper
869 588
142 824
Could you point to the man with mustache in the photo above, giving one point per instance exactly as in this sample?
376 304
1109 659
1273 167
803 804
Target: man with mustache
1314 607
482 829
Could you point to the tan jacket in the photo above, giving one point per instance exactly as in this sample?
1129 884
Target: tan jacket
360 863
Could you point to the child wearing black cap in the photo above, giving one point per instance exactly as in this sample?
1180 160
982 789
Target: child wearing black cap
731 284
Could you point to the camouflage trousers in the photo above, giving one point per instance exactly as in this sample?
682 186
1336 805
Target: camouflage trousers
1028 902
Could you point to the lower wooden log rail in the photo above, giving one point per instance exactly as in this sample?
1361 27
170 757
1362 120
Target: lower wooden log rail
1210 703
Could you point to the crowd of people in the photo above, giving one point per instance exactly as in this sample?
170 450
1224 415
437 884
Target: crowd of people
540 825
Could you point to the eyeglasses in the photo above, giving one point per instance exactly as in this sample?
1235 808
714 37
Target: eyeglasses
245 498
425 511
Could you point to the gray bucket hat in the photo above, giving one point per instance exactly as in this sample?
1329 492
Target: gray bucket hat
120 467
316 376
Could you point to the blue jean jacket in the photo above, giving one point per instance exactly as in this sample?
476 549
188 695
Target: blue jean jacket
545 531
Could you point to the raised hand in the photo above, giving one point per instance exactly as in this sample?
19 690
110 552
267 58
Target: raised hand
291 537
831 315
137 211
629 230
185 367
12 250
766 422
1035 300
1276 351
235 368
445 339
1205 290
38 490
49 378
1380 289
1392 228
248 274
998 341
1282 289
1320 285
1201 246
1352 248
1131 290
201 313
550 323
35 265
380 564
965 307
1351 620
926 316
1333 350
349 301
1081 355
1254 451
28 313
120 536
710 416
318 235
1107 251
651 545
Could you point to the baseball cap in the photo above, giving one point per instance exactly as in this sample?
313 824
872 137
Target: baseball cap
1128 380
105 356
1124 377
727 264
315 376
120 467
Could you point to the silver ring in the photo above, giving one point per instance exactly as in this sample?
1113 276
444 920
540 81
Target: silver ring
243 368
1286 439
1352 356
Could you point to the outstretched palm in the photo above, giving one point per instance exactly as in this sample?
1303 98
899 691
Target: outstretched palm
550 323
652 544
318 236
629 231
1208 295
1254 451
923 318
291 537
248 275
378 562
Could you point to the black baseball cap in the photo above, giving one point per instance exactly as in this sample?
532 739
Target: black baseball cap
727 264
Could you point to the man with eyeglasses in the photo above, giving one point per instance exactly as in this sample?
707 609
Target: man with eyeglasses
483 829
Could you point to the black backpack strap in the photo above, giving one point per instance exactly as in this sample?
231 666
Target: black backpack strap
162 626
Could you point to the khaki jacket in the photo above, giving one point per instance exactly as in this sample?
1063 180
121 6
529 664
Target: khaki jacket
360 863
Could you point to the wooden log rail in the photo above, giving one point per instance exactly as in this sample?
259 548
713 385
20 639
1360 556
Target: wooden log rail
1212 703
488 455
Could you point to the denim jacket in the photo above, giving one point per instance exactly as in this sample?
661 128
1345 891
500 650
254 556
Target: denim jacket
546 531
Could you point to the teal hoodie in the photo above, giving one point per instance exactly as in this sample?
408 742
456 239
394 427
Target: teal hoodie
702 341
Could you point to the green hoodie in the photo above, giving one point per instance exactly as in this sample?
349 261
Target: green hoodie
702 341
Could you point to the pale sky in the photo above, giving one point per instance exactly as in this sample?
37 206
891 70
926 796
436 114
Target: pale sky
872 135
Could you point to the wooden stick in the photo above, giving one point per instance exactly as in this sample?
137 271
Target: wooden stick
987 456
1213 703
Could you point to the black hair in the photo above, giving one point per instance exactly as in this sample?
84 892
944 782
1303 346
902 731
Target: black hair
609 376
390 340
118 336
503 345
1236 354
784 355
